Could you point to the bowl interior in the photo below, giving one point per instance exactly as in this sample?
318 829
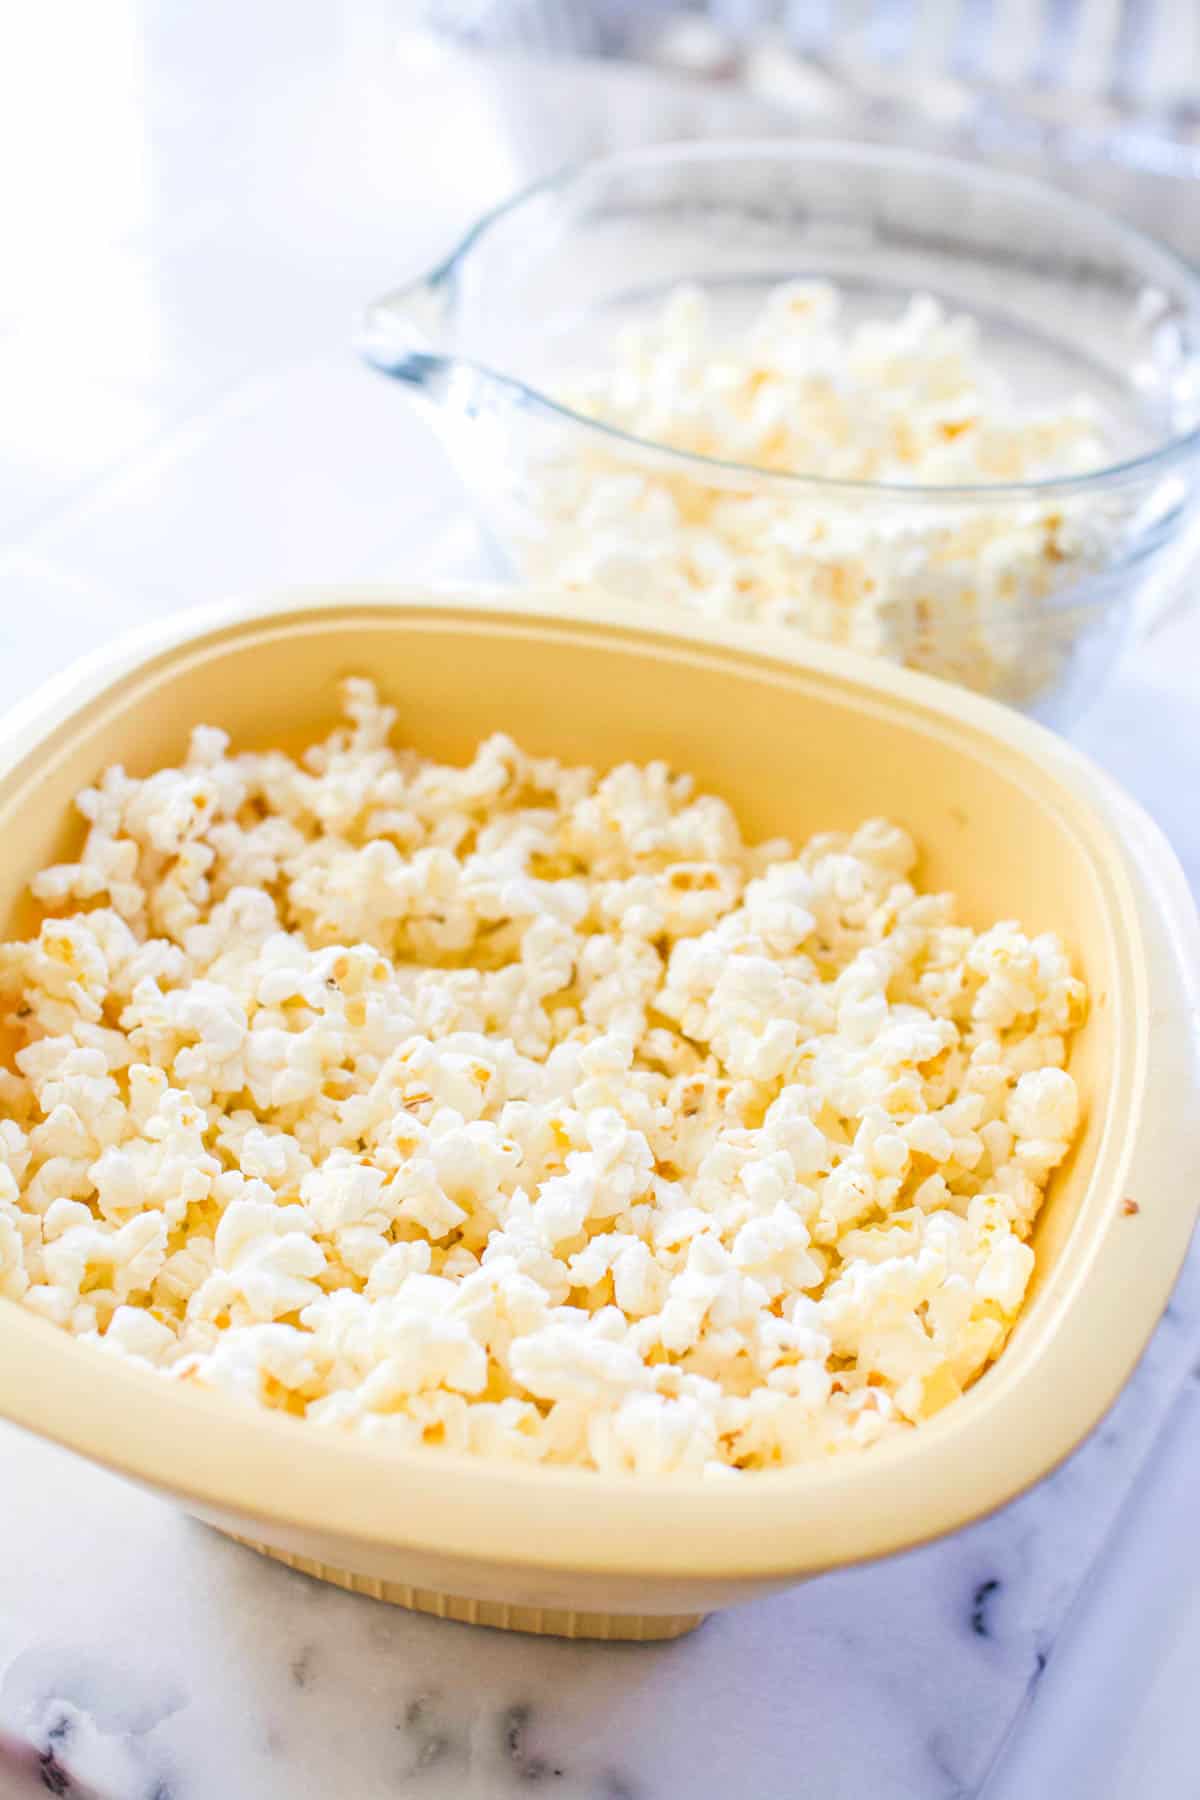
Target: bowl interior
794 751
1068 302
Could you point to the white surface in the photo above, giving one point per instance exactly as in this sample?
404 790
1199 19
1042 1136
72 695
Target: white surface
180 417
1115 1716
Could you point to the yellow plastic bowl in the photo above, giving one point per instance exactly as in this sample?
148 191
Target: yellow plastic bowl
798 738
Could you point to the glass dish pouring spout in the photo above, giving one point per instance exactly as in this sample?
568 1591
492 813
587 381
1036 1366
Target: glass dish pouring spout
401 334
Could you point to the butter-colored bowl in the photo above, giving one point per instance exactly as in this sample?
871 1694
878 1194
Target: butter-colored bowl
798 738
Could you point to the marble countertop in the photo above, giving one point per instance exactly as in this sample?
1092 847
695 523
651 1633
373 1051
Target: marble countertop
182 419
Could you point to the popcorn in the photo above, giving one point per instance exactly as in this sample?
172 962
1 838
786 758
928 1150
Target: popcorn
137 1334
525 1112
1005 1275
950 586
14 1277
1044 1105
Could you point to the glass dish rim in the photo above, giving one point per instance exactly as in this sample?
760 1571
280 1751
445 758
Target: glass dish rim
1139 245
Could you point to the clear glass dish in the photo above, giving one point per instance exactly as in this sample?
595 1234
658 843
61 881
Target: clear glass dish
1068 302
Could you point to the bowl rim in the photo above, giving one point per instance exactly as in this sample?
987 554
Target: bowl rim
1137 243
1007 1431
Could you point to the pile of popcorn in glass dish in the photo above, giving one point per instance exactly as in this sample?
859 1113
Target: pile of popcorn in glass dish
909 400
523 1109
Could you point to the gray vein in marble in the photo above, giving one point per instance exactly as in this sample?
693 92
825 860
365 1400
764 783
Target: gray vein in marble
981 1605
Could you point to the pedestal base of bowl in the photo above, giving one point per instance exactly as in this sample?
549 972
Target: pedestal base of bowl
637 1628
